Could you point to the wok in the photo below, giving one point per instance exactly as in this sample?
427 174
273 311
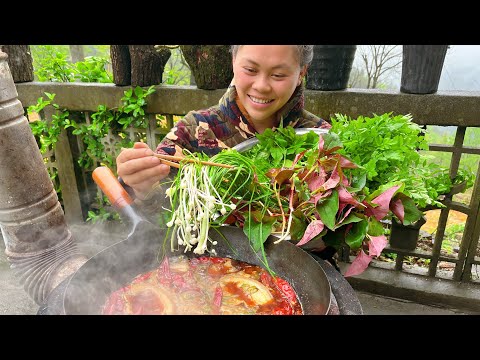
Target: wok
117 265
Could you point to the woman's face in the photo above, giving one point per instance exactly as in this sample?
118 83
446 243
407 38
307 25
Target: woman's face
265 78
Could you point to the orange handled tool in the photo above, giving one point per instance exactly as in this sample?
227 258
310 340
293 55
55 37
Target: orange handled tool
111 187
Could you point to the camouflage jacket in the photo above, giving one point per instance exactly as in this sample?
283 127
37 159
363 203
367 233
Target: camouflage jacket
225 125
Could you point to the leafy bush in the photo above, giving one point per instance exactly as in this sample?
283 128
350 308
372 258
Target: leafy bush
51 63
387 148
93 69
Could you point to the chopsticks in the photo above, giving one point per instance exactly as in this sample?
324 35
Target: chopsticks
169 160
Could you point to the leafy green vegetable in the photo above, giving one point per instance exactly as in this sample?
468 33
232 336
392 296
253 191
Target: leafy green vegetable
386 148
289 184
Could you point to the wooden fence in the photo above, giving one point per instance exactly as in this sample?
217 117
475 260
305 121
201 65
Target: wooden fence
459 109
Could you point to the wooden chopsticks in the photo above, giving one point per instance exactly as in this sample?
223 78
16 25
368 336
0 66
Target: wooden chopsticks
169 160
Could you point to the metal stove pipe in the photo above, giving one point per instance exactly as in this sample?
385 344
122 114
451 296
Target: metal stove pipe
39 245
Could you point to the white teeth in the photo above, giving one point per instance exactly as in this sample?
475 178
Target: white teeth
260 101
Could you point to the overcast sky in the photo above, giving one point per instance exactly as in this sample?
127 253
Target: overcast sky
461 69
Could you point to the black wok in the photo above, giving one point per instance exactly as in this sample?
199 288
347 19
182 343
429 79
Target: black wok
115 266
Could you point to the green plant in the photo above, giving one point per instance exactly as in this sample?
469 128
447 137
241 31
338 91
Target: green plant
93 69
130 113
103 121
388 150
390 256
103 213
51 64
451 237
176 70
48 132
290 184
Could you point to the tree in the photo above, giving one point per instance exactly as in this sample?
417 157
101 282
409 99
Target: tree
358 78
76 53
19 61
121 66
377 61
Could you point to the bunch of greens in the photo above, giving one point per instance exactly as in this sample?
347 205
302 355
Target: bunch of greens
386 148
206 196
292 185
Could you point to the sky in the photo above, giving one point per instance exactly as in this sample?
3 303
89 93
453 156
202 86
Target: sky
461 69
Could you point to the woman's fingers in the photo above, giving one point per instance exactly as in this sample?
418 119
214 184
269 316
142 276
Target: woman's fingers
134 153
139 145
139 168
147 177
136 160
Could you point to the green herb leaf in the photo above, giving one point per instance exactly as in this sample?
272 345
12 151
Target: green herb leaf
328 208
357 233
257 232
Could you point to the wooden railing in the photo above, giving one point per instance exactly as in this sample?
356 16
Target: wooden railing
460 109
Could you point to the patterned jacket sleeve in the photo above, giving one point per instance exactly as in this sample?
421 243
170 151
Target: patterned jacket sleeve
180 137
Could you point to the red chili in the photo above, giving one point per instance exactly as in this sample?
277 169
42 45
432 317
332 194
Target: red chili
286 289
266 279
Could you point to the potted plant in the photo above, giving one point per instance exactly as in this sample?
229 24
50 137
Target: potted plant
331 66
211 65
138 65
421 68
405 236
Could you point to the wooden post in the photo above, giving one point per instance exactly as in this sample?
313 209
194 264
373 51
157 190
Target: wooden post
66 176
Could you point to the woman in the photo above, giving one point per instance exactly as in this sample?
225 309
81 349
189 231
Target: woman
267 88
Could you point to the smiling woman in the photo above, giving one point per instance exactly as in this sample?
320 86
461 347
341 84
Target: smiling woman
265 77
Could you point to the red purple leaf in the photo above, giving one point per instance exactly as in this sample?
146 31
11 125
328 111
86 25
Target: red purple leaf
359 264
321 143
341 206
332 181
314 199
347 164
398 209
312 230
345 197
344 215
283 175
383 202
298 157
376 245
316 180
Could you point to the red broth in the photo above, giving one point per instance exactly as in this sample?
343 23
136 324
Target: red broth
204 285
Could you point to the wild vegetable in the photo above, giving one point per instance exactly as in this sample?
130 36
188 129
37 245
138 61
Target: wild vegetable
386 148
292 185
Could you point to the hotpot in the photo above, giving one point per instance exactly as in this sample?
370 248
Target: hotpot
88 288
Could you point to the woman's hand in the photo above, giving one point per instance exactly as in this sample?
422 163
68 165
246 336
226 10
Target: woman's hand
139 169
